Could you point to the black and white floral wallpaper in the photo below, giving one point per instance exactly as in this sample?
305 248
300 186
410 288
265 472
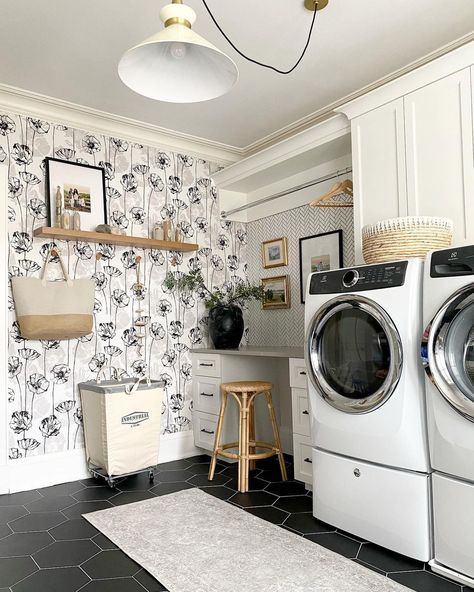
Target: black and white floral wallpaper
144 185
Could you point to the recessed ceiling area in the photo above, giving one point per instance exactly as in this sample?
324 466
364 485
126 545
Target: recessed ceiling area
70 51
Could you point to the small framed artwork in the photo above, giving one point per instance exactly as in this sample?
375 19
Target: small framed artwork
275 253
82 189
277 292
320 252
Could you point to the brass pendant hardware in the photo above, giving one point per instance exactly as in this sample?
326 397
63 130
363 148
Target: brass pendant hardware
175 20
313 5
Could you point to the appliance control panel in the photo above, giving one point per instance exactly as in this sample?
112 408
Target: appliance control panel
359 279
452 262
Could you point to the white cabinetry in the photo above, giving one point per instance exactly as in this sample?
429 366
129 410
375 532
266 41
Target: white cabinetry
412 147
439 152
302 454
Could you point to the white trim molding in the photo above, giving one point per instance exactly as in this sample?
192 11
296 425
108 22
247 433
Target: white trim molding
28 103
45 470
414 79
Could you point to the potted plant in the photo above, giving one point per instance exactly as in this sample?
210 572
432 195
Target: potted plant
226 323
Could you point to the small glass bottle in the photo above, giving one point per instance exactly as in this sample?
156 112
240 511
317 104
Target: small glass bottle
158 232
58 222
66 220
167 230
178 234
76 221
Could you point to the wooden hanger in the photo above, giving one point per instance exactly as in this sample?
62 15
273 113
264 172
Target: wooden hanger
339 196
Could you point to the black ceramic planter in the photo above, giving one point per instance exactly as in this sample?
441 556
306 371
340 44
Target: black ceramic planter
226 326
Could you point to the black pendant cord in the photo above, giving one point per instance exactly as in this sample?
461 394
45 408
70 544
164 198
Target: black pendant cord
256 61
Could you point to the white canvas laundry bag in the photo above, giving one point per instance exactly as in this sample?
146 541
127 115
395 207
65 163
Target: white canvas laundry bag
53 309
122 420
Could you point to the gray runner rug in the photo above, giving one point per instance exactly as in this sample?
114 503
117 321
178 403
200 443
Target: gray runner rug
193 542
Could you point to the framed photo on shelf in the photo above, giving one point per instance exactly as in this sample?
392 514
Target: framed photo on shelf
279 292
320 252
275 253
82 189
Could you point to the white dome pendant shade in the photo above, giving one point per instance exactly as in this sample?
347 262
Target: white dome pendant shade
177 65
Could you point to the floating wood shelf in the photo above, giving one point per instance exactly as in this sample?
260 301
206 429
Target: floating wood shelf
113 239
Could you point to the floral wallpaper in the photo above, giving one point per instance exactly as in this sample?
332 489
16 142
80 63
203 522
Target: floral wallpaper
144 185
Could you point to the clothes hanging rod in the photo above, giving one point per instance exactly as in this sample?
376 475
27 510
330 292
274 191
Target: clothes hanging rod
259 202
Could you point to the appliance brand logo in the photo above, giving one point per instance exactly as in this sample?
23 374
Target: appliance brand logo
135 418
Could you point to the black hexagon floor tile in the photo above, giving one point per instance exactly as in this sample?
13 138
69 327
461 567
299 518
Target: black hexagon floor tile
286 488
149 582
110 564
9 513
19 499
336 542
66 553
220 491
255 483
14 569
51 503
165 488
306 523
103 542
424 581
64 579
173 476
386 560
129 497
253 499
62 489
295 503
94 494
37 521
203 469
113 585
269 513
81 508
202 480
25 543
5 531
139 482
176 465
74 529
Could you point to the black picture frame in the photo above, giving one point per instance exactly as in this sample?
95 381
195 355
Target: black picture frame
48 188
339 250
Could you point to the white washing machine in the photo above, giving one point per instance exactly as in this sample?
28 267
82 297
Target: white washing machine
368 424
448 356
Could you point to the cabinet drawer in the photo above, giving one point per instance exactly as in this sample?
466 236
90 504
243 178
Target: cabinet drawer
300 412
298 374
204 426
206 365
303 458
206 394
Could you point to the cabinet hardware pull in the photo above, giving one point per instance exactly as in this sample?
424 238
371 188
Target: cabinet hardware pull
308 460
305 412
206 431
208 365
302 373
206 394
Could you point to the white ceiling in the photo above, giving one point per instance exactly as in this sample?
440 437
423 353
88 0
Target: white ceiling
69 49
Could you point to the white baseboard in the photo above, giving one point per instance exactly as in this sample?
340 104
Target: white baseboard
50 469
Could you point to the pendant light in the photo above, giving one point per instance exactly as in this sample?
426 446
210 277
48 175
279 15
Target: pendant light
176 64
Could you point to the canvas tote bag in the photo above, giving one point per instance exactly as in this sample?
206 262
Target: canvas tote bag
53 309
122 420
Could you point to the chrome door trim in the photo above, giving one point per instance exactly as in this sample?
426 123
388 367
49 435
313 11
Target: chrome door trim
433 351
320 318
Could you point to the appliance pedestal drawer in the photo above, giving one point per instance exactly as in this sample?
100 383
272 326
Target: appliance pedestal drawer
386 506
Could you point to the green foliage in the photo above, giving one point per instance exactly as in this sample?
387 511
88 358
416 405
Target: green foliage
237 295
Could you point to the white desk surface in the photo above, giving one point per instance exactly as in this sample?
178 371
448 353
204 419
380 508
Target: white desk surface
255 350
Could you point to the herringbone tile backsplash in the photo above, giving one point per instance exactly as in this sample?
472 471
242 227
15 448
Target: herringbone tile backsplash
285 327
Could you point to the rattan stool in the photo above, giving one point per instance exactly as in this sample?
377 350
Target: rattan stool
244 393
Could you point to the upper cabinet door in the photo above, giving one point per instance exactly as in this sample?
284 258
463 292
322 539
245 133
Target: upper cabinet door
439 138
378 153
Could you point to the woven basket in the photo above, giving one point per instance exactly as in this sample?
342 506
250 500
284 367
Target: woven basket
401 238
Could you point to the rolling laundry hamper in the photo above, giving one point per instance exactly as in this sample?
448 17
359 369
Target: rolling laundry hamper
121 426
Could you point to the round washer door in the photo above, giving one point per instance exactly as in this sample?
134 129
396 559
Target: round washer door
448 351
353 354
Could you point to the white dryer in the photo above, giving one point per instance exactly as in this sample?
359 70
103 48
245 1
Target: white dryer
368 428
448 356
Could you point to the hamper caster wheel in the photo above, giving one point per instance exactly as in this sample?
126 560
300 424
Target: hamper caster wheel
151 476
111 483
